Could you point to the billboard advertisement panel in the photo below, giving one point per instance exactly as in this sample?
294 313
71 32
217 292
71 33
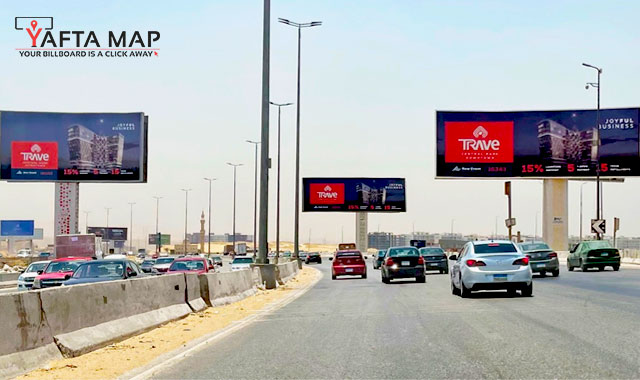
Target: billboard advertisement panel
16 228
537 144
354 194
165 239
73 147
111 233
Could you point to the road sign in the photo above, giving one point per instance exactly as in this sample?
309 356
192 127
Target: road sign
598 226
616 224
510 222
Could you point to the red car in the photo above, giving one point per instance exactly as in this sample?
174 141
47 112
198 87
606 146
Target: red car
58 271
197 265
348 262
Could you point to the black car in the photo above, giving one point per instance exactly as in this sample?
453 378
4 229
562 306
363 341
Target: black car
435 259
377 262
313 257
104 270
542 259
147 265
402 262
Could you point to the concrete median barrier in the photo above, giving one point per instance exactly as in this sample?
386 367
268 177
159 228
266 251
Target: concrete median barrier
287 271
83 318
27 341
223 288
193 293
9 277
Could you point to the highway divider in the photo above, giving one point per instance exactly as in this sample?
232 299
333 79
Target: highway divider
286 271
223 288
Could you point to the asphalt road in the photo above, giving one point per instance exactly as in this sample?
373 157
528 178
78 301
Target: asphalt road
579 325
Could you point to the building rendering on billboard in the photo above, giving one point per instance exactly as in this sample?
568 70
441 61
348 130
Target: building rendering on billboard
73 147
537 144
354 194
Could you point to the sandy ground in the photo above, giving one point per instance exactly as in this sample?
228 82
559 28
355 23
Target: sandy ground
119 358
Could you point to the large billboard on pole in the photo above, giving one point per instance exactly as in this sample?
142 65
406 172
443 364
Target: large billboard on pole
73 147
354 194
537 144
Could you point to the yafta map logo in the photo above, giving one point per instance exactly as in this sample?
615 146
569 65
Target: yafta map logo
43 41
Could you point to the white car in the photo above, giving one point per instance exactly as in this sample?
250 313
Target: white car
162 265
25 281
241 263
491 265
24 253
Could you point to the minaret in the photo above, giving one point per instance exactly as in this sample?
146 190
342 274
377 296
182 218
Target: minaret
202 232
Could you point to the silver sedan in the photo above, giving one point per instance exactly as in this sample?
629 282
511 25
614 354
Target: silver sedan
491 265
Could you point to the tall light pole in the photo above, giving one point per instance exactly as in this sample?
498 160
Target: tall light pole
131 227
108 208
86 218
255 196
279 105
209 229
158 238
235 166
598 195
296 228
186 208
265 161
581 185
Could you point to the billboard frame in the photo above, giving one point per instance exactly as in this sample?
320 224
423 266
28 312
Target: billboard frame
616 178
144 150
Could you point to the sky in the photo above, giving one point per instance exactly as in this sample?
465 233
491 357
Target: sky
372 77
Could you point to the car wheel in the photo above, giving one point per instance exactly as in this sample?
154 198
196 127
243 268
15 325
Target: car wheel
569 267
555 273
441 271
527 291
333 276
364 275
583 267
464 291
385 280
320 262
543 274
455 291
616 268
421 279
446 271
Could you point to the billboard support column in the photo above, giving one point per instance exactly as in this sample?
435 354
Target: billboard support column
555 213
362 231
67 205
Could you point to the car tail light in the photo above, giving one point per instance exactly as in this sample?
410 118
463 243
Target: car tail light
529 256
475 263
552 255
522 261
420 260
389 262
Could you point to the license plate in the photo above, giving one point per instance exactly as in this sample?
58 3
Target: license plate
348 270
499 277
604 254
405 263
540 266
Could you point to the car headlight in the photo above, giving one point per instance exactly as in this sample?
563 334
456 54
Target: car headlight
20 278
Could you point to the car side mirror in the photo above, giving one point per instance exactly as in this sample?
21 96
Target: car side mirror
67 276
132 274
366 257
39 272
330 258
453 257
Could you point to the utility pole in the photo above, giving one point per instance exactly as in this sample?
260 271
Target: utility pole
581 185
255 196
108 208
279 105
598 194
158 238
131 227
265 161
235 166
186 208
86 218
209 229
507 192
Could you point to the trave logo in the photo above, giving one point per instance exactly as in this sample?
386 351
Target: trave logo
474 142
326 193
34 155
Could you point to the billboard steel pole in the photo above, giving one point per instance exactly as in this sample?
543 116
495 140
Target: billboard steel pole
264 136
131 227
158 242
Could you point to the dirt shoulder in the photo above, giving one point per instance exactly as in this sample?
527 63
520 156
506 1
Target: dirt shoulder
117 359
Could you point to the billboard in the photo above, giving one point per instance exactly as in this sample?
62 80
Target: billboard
17 228
354 194
165 239
109 233
73 147
537 144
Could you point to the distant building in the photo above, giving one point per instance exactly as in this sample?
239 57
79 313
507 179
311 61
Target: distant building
379 240
89 150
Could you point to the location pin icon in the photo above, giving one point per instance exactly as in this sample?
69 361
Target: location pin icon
34 23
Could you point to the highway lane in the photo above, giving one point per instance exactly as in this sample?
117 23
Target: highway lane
580 325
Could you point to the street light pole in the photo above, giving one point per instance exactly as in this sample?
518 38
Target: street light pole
108 208
186 208
265 161
255 196
581 185
158 238
598 195
279 105
86 218
131 227
235 166
296 228
209 229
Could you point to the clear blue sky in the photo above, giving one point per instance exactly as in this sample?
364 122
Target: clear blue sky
373 76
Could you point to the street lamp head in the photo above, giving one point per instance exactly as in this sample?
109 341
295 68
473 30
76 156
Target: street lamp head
253 142
285 21
316 23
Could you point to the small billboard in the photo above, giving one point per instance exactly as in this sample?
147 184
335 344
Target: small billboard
165 239
354 194
17 228
109 233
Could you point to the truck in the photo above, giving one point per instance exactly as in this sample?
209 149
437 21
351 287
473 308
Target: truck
241 249
228 248
346 246
78 245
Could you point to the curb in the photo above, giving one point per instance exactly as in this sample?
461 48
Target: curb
172 357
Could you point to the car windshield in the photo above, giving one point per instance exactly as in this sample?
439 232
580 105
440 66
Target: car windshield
99 269
408 251
431 251
533 246
187 265
35 267
348 253
242 260
494 248
597 244
165 260
382 253
62 266
217 259
148 262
